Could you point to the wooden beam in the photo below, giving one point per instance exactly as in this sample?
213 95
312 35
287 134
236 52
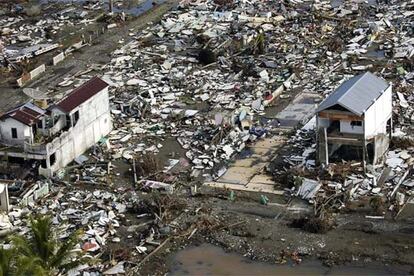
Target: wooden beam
340 116
344 141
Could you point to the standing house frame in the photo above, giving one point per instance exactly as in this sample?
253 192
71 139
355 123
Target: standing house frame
356 120
53 136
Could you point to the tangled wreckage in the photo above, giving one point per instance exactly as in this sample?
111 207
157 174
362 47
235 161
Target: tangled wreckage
283 108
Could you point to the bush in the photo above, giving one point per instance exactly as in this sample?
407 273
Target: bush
377 203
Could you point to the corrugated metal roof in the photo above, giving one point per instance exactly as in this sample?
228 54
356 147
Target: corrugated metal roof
81 94
356 94
27 114
24 117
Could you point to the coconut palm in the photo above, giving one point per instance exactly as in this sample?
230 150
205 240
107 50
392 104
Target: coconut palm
6 261
43 253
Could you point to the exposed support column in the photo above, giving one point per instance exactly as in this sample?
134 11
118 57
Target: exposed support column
364 155
32 136
323 146
48 162
377 150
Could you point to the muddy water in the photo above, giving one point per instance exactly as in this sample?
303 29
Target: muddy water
207 259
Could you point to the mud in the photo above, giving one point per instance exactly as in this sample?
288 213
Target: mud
207 259
263 234
260 233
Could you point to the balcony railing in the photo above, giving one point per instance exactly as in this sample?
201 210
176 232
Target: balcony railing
35 148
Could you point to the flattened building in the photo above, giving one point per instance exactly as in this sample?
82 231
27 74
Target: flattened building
354 122
52 136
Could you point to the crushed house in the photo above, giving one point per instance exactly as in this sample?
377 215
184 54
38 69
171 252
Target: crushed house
354 122
52 136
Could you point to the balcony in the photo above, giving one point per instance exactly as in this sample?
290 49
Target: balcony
36 148
49 146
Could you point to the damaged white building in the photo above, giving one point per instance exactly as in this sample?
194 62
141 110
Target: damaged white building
54 135
355 121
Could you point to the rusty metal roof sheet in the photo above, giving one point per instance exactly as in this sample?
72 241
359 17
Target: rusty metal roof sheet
81 94
27 114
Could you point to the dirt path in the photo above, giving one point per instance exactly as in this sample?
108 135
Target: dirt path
248 174
99 53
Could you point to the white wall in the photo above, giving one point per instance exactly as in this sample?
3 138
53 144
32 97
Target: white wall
37 71
346 127
94 123
377 115
4 198
22 131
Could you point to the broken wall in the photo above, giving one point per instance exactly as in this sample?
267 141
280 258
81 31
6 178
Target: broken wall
4 198
381 145
347 127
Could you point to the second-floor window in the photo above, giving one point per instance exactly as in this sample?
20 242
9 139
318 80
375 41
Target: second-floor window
356 123
76 117
14 132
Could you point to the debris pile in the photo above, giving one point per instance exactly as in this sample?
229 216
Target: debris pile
204 83
106 220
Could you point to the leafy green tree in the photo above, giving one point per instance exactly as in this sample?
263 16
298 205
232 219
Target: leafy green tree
7 258
42 252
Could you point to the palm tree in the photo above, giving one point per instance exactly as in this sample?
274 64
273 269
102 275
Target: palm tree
6 261
42 253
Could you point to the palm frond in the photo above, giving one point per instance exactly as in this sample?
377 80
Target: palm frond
63 254
30 266
7 259
42 253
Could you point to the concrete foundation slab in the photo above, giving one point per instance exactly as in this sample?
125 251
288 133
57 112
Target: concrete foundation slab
238 175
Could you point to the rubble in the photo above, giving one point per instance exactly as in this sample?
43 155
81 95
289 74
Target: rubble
194 92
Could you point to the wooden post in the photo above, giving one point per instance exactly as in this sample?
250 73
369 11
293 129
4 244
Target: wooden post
134 171
111 6
364 155
323 146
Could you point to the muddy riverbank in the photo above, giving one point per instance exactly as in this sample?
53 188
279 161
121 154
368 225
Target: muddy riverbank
166 101
265 234
207 259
